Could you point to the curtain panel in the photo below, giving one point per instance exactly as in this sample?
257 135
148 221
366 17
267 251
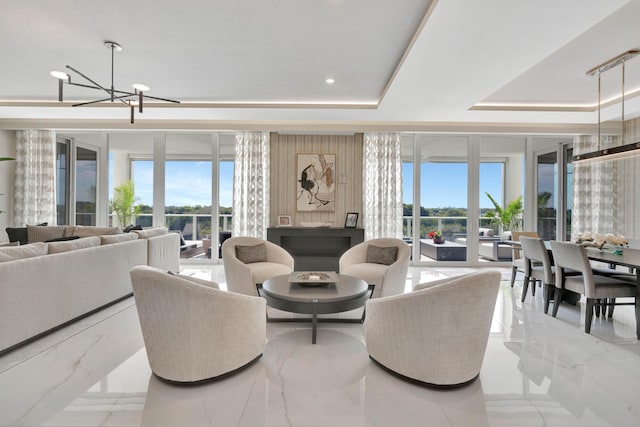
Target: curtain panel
251 185
35 179
598 192
382 185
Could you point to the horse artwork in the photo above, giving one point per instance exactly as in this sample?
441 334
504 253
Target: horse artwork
316 183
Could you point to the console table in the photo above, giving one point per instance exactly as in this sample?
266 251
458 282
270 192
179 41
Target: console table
315 248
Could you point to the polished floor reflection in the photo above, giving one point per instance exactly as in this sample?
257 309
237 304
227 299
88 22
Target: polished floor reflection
537 371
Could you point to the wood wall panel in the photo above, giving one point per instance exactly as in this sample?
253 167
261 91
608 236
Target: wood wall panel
283 178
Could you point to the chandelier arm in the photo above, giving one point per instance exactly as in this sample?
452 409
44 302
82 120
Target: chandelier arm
110 93
80 104
161 99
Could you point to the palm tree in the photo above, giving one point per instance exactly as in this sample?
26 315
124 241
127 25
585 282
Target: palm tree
122 203
507 218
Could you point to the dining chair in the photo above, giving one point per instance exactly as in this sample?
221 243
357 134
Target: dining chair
537 268
599 290
517 262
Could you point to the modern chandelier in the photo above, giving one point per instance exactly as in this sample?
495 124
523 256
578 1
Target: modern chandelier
130 99
623 149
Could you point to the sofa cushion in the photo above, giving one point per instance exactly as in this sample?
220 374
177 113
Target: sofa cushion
486 232
369 272
72 245
89 230
9 244
261 271
36 233
12 253
386 255
117 238
251 254
151 232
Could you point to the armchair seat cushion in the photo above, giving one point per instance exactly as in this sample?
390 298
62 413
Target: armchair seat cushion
371 273
261 271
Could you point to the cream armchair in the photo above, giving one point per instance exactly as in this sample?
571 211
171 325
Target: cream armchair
436 334
388 279
192 330
243 277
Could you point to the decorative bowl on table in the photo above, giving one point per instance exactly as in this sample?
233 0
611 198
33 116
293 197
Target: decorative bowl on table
313 278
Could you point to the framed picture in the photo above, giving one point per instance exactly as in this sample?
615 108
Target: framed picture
315 182
284 221
351 221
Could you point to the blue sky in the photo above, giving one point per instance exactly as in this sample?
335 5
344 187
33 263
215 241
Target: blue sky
445 184
189 183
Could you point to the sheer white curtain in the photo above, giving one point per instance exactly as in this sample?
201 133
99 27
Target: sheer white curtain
382 169
251 185
35 180
598 199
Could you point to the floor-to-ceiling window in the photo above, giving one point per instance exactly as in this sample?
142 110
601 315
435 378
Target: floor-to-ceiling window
443 196
76 180
554 187
131 159
188 190
63 165
86 177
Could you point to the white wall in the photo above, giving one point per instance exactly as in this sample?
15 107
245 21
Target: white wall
7 170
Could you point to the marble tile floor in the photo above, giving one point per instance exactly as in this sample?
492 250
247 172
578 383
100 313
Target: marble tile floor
538 371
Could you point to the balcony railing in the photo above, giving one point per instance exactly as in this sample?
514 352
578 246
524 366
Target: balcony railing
192 226
448 225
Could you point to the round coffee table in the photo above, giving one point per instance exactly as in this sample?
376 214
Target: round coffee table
347 293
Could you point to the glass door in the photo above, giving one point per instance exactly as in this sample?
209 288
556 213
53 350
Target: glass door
443 198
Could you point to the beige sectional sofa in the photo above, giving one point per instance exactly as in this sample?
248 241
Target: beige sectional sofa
46 285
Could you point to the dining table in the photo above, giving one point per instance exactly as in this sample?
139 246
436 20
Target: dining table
624 257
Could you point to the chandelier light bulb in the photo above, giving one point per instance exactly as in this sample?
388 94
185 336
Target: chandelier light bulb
140 87
60 75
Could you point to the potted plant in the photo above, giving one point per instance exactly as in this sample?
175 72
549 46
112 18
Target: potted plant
436 236
123 204
508 218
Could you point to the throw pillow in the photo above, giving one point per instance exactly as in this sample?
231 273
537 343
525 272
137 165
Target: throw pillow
62 239
36 233
90 230
386 255
117 238
18 234
85 242
130 228
251 254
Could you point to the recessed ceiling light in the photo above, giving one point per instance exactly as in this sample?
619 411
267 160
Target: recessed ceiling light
330 81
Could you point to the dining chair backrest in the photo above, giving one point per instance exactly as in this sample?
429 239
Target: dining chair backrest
573 256
533 249
515 236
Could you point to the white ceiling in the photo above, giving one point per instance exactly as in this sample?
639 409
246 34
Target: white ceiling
410 64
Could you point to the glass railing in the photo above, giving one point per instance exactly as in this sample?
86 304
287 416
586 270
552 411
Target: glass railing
450 226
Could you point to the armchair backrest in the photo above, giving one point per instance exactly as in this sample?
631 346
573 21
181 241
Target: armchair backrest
358 253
